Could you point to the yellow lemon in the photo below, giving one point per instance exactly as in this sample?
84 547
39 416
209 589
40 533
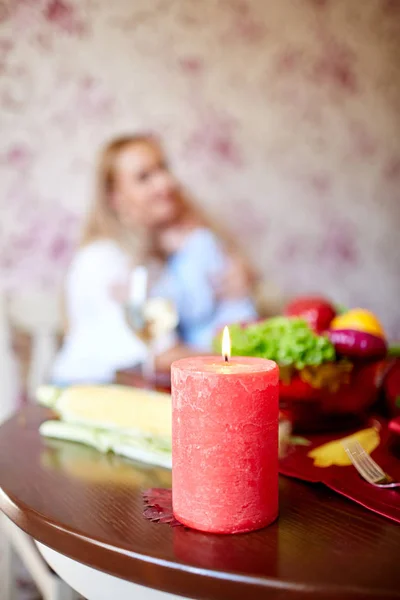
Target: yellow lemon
359 319
333 453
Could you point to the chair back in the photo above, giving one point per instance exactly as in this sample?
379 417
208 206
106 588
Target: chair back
36 313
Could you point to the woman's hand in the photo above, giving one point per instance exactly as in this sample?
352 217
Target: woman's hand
165 359
237 281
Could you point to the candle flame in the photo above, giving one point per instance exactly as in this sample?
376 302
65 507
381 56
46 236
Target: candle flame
226 344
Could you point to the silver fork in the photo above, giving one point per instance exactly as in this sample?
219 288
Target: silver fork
367 467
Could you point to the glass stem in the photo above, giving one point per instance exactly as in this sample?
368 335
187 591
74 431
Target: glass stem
148 365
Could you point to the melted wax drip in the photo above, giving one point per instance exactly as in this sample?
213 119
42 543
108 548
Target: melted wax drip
158 506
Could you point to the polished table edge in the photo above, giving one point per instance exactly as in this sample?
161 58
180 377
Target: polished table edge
172 577
64 541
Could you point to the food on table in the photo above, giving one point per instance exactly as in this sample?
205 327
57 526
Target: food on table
319 376
358 319
313 408
358 344
333 453
317 311
358 333
328 375
115 407
306 360
287 340
127 421
142 448
304 357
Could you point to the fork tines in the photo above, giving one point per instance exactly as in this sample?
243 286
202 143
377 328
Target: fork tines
364 464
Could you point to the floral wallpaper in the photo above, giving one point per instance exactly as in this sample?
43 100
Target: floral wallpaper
282 117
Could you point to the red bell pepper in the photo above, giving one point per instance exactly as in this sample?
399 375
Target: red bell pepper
317 311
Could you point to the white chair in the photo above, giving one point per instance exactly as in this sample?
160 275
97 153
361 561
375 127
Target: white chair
48 583
38 314
9 389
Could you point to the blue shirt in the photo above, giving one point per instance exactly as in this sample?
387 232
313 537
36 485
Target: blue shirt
100 342
187 281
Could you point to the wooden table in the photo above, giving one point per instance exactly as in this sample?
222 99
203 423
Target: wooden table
134 378
88 507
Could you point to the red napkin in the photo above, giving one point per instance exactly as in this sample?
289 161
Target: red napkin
346 480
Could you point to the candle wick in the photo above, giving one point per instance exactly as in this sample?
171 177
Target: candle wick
226 358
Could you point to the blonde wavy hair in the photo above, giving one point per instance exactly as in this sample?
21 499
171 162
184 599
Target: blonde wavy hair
102 220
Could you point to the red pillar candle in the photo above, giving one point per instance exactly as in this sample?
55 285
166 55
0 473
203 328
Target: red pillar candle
225 443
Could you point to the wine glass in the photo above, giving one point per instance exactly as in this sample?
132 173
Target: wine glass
151 319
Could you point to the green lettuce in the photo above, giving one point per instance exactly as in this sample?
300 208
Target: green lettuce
288 341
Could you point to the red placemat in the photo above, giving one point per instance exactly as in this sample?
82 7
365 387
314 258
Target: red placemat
344 479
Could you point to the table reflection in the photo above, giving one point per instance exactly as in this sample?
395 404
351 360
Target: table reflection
253 553
89 465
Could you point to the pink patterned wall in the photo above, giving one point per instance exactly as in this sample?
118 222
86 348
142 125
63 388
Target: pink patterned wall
283 118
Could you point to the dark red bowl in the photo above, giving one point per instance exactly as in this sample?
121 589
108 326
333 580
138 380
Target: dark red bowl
315 409
391 386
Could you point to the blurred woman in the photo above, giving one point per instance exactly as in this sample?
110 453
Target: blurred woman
141 215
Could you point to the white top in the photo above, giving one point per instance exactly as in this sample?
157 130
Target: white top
100 341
